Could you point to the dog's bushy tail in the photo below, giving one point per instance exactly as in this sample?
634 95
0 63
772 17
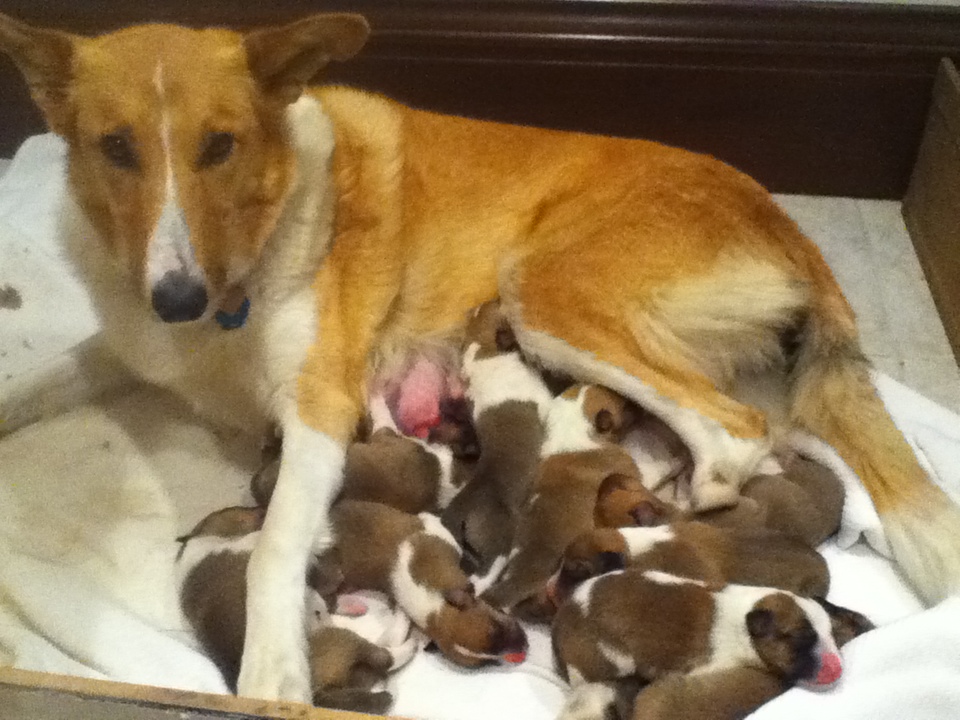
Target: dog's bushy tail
833 396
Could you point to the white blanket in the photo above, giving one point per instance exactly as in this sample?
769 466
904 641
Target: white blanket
90 503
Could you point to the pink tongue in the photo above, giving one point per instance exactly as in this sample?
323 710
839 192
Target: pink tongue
830 669
515 658
418 407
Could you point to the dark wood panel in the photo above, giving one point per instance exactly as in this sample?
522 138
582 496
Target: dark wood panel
931 207
808 97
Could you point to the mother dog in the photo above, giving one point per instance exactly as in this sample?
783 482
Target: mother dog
271 254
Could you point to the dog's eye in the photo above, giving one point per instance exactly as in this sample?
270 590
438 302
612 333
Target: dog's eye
215 149
117 148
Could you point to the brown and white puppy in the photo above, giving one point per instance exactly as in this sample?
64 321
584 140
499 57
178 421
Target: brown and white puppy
213 564
692 549
624 501
510 402
406 473
729 694
805 501
562 507
650 624
416 561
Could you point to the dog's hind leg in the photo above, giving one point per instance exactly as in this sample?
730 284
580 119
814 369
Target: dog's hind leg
662 349
84 374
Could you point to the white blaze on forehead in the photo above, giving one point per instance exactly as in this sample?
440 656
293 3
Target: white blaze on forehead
170 249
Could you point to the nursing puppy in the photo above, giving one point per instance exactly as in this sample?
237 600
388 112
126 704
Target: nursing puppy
651 624
805 501
414 560
695 550
212 566
405 473
268 252
561 508
509 402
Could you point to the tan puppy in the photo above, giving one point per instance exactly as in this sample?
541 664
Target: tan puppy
729 694
408 474
624 501
562 507
650 624
510 403
416 561
804 502
695 550
213 563
203 172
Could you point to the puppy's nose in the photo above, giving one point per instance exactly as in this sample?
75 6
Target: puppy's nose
179 297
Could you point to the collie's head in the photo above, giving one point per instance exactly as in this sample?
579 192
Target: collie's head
179 153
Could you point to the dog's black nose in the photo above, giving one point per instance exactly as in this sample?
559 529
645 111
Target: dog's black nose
179 297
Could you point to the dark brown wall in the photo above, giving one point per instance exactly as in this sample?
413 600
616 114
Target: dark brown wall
808 97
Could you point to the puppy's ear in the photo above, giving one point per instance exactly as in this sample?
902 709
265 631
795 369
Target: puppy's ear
608 561
461 598
644 514
45 58
604 421
610 484
285 59
760 623
505 339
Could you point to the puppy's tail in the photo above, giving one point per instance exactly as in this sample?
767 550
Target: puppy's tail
833 396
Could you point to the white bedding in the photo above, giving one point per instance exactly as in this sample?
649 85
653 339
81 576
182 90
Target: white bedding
90 503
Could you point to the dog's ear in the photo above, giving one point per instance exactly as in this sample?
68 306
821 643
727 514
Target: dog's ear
285 59
461 598
644 514
45 58
760 623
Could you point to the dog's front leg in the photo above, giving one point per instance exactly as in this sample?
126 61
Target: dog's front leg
274 664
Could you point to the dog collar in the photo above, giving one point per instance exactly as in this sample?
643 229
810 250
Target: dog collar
235 319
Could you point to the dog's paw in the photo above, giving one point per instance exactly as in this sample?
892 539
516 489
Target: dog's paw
275 668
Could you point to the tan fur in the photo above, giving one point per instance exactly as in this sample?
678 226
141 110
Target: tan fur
561 507
805 502
626 263
713 555
621 614
722 695
623 501
611 415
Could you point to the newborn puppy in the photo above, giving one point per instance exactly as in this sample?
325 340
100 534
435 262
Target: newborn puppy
695 550
212 568
417 562
509 402
563 507
651 624
406 473
623 501
729 694
805 501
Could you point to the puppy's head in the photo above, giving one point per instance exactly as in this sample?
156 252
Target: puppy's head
180 154
487 327
228 523
793 638
623 501
610 414
592 553
470 632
